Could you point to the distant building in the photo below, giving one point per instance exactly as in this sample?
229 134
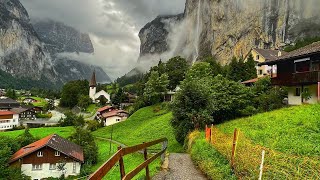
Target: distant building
105 109
8 103
93 88
29 100
113 117
169 96
299 70
8 120
43 158
24 113
264 55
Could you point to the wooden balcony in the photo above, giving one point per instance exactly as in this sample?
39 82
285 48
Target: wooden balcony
310 77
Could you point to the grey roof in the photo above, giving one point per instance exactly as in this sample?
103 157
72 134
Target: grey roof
8 100
269 54
304 51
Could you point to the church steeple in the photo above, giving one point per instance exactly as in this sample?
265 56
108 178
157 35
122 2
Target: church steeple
93 82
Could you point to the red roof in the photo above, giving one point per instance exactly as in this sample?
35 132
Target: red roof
55 142
250 81
104 108
113 113
3 113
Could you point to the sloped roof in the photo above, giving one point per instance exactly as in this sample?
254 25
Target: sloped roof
54 141
307 50
3 113
250 81
269 54
93 82
18 110
8 100
113 113
104 108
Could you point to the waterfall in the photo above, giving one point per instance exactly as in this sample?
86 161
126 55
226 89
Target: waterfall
197 34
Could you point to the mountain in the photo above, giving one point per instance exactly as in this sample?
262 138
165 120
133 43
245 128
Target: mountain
21 51
59 39
230 28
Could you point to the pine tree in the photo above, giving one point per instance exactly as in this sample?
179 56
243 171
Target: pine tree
250 68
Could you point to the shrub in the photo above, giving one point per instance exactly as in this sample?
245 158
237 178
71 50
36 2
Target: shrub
93 125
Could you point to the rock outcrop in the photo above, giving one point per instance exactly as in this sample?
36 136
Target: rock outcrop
21 51
232 27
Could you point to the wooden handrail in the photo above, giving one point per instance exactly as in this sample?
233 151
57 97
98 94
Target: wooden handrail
118 157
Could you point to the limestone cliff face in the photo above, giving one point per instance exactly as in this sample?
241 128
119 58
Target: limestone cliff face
21 52
227 28
231 27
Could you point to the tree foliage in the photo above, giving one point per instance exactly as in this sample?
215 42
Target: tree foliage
72 91
176 69
84 101
155 87
26 138
72 120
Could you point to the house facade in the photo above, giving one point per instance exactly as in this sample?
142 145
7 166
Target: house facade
24 113
112 116
51 156
299 71
264 55
8 120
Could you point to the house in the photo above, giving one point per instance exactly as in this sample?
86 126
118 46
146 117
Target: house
37 109
112 117
93 88
24 113
169 96
8 103
2 92
8 120
264 55
51 156
299 70
29 100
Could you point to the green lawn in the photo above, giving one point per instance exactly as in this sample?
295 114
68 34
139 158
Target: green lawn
42 132
41 101
144 125
294 130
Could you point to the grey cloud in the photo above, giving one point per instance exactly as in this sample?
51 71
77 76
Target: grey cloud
113 25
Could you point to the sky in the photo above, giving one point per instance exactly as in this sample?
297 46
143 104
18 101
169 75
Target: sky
113 26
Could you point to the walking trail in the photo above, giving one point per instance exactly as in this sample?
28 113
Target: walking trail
180 167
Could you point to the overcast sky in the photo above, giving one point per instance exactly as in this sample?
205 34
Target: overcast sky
113 25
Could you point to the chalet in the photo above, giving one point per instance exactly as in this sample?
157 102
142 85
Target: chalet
8 120
113 117
51 156
24 113
264 55
169 96
8 103
105 109
299 70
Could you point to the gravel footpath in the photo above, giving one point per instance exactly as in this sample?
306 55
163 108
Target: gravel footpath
181 167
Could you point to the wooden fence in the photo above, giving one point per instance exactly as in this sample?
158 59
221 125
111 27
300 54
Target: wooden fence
118 157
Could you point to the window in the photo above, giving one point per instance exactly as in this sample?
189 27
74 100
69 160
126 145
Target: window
257 57
36 166
298 91
52 166
118 120
56 153
260 72
74 167
40 154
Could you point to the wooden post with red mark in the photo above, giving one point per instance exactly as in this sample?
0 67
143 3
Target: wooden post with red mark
234 146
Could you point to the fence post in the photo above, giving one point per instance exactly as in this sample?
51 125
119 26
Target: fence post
234 146
164 145
121 164
261 165
145 154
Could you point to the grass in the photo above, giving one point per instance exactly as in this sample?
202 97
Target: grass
41 102
145 125
42 132
92 108
208 159
293 130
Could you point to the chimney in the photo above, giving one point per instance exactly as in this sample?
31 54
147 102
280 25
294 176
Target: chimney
279 53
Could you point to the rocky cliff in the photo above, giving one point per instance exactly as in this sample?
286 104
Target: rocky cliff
232 27
21 51
60 38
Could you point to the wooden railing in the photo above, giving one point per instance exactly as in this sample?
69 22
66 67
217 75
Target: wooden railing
308 77
118 157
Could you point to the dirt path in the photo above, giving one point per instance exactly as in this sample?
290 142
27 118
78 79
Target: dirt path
180 167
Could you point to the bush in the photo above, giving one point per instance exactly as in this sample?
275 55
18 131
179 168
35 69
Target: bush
48 115
93 125
72 120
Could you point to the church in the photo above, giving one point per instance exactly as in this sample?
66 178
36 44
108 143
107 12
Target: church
93 94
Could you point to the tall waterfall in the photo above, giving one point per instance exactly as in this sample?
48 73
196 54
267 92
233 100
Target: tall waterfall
197 34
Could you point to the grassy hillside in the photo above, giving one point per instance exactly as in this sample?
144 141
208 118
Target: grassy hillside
42 132
294 130
146 124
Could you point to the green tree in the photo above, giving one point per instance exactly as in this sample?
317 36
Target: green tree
84 138
72 91
102 100
84 101
72 120
26 138
251 70
199 70
216 67
155 87
176 69
11 93
119 97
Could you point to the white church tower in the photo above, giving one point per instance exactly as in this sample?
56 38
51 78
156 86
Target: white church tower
93 86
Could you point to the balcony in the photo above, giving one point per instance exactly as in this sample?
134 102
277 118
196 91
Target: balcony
309 77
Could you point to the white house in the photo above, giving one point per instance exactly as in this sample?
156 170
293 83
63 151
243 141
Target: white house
51 156
113 117
8 120
93 94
